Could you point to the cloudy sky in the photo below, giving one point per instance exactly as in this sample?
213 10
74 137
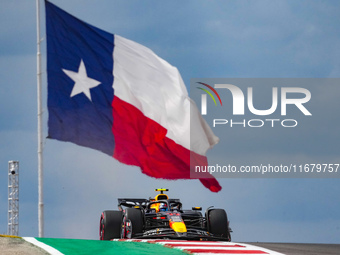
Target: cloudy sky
203 39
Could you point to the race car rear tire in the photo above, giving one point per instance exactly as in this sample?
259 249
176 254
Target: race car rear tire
136 218
218 223
110 225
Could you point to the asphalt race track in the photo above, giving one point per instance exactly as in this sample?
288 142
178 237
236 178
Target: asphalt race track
301 249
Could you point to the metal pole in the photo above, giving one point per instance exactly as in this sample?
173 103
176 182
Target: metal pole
40 135
13 198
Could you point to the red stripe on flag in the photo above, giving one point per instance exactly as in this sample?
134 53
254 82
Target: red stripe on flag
142 142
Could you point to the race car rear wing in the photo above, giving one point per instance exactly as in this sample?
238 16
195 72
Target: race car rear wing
140 202
132 202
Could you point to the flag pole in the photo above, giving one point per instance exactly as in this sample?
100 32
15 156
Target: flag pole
40 135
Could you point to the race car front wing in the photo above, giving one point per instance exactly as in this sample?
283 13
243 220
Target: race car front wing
168 233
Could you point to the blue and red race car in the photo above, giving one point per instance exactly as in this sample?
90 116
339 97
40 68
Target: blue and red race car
163 218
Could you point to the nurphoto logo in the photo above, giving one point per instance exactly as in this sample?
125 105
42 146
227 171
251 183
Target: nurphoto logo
282 97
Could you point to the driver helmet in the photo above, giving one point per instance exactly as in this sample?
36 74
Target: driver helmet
163 207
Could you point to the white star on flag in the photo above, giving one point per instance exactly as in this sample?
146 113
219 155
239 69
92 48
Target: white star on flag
83 83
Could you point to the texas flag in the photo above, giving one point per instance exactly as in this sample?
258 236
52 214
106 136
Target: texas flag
114 95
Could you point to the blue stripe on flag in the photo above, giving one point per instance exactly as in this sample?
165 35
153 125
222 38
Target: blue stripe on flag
78 119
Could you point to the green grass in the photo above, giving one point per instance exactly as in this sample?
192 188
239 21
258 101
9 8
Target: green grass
84 247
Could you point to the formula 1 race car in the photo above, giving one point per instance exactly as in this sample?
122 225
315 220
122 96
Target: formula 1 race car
163 218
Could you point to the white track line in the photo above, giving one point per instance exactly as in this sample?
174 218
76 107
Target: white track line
43 246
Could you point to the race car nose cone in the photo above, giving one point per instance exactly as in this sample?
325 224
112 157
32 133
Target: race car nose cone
178 227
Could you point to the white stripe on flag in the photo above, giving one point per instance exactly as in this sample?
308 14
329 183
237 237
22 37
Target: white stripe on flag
156 88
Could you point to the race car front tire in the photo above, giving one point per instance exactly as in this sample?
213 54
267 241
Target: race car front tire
218 223
110 225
